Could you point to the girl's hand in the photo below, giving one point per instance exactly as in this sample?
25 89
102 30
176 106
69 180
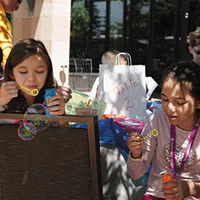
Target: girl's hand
135 143
179 190
8 90
65 92
58 104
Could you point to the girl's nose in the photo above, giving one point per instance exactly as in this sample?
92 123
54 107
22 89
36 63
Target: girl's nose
31 77
171 107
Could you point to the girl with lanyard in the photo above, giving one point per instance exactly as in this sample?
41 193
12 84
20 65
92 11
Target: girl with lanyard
175 149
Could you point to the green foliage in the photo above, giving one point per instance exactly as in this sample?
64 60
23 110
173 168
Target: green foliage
81 31
79 18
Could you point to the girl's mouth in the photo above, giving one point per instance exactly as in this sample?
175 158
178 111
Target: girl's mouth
31 87
172 117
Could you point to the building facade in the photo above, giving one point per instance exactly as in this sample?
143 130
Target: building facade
48 21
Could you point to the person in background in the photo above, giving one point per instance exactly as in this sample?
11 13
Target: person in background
7 6
108 58
194 46
175 148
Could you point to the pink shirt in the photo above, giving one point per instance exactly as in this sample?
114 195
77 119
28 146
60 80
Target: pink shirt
157 150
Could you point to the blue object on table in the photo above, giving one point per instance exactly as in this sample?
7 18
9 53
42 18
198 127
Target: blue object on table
106 131
156 105
148 102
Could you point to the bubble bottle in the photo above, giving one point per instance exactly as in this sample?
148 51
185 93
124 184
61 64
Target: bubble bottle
48 94
165 179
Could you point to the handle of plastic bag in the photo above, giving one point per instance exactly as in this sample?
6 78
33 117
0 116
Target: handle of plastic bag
127 55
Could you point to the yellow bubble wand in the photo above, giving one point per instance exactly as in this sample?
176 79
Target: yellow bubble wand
34 92
152 133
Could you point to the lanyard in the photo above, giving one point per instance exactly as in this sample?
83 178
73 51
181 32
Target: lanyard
187 150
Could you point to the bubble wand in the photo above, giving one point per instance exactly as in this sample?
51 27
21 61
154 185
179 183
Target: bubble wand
152 133
34 92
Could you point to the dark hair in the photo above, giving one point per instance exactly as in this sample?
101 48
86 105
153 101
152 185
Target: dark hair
186 73
194 38
21 51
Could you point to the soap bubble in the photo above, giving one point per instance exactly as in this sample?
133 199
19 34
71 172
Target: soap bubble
27 132
34 120
36 116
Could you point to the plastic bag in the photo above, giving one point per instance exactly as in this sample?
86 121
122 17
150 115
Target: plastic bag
82 104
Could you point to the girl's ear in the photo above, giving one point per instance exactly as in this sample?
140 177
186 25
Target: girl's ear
198 105
190 49
11 76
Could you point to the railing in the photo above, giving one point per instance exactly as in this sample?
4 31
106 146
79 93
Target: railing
80 65
81 76
82 81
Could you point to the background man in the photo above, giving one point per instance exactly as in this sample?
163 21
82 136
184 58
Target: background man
6 6
194 46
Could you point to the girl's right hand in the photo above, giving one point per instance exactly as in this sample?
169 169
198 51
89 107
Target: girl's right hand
8 90
135 143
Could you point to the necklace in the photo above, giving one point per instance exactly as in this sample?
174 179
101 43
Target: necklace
187 150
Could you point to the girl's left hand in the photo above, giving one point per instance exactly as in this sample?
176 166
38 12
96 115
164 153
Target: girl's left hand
179 190
58 105
65 92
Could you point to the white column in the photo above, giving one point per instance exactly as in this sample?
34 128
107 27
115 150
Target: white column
49 22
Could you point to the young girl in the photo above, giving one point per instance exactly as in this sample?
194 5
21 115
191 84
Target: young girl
176 148
28 68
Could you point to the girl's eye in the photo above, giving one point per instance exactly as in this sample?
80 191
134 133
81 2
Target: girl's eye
40 72
164 99
180 103
23 72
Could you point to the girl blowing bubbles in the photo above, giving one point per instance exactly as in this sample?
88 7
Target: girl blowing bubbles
176 149
29 66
